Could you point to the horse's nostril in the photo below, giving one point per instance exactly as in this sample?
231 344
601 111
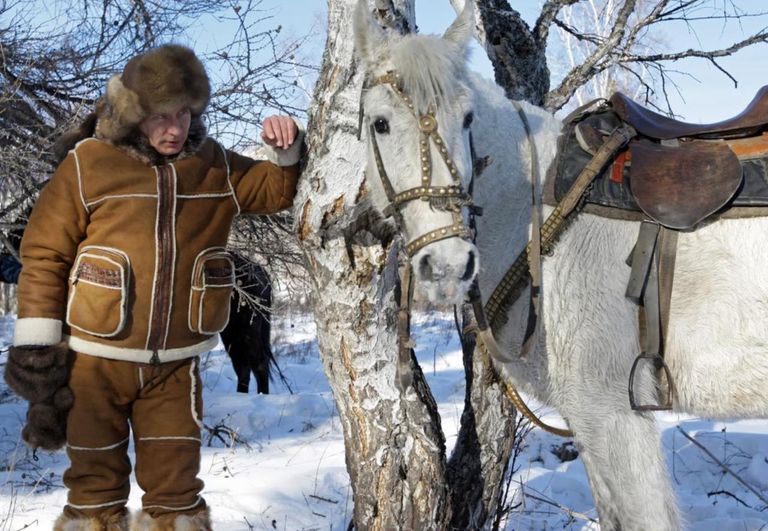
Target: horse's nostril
470 270
425 268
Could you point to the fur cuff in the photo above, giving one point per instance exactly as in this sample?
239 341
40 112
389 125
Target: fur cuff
36 331
290 156
111 522
199 521
36 374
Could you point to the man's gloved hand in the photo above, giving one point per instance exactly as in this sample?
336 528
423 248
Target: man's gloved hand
47 421
39 374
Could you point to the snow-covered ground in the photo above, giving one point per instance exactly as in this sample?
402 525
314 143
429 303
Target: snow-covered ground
277 461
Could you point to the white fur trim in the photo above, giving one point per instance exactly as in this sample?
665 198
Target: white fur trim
229 179
169 438
140 355
121 196
142 521
98 449
98 505
169 508
36 331
80 183
290 156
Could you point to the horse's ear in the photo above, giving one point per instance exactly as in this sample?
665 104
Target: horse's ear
461 30
369 37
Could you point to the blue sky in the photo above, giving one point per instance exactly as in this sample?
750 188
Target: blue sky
708 94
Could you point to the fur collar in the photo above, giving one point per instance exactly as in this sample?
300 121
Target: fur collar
137 146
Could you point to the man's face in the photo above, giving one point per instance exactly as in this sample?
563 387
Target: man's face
167 131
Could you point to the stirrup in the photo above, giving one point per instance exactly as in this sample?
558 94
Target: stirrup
658 363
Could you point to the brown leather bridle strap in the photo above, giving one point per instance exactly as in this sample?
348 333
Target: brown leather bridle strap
453 194
430 191
443 233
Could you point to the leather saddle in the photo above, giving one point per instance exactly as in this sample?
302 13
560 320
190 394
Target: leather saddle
682 173
654 125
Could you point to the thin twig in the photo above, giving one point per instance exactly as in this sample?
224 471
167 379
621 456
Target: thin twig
730 494
723 466
569 512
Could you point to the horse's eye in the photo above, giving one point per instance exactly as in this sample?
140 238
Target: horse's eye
381 126
468 119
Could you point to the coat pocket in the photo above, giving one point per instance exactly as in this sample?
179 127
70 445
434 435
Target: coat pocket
98 291
213 276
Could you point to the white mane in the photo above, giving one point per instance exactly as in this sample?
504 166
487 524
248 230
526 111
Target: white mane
429 68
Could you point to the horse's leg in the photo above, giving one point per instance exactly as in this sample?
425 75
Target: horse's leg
239 357
261 357
621 450
592 340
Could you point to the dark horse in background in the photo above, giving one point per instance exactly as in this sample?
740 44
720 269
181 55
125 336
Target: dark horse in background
246 337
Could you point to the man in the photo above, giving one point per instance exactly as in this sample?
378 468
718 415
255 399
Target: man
126 282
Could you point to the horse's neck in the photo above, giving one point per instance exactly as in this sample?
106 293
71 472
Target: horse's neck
503 189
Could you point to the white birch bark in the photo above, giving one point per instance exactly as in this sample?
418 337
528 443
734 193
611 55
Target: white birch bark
394 444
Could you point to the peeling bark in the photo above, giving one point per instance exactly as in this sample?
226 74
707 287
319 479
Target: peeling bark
394 445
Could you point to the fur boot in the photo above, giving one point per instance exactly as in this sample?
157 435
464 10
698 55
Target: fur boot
111 522
200 521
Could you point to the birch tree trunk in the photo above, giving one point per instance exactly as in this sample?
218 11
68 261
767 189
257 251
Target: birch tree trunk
479 461
395 449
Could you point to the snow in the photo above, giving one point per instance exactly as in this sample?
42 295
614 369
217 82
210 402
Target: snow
277 461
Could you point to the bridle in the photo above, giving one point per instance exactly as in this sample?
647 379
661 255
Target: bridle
452 197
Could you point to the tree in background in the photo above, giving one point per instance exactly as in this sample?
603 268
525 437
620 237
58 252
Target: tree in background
57 56
395 447
617 37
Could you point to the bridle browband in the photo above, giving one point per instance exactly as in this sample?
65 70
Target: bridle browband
452 196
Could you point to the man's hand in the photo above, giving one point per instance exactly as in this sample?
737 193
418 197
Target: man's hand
279 131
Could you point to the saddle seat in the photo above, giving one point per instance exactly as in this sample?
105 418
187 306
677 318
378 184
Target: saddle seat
654 125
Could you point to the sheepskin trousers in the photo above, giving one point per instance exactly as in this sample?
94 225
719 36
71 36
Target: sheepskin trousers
162 405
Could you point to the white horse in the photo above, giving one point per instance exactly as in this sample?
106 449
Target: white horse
717 343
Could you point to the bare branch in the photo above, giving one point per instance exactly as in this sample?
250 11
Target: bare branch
547 16
557 98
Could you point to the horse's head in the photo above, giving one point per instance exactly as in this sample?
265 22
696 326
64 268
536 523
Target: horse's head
417 112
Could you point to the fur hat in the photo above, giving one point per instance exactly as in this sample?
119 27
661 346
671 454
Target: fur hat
158 80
